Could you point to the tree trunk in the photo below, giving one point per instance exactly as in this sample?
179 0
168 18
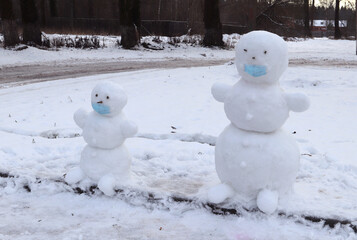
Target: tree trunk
307 19
130 22
252 14
91 9
43 12
312 13
195 17
9 26
337 20
53 8
213 26
137 18
31 28
72 8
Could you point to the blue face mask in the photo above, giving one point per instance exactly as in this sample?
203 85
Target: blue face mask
101 108
255 70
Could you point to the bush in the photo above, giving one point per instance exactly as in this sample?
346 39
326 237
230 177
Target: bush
87 42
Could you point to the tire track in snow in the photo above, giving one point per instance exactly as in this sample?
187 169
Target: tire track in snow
196 137
173 203
70 133
19 132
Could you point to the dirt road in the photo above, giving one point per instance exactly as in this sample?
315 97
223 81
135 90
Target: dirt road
24 74
30 73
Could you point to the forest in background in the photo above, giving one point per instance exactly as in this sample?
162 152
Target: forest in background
135 18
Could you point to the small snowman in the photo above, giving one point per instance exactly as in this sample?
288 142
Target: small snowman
254 157
105 158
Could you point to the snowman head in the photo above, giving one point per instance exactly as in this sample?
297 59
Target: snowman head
261 57
108 99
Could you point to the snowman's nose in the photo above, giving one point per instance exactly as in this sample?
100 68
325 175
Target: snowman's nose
100 102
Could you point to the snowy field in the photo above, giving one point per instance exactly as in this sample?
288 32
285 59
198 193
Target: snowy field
318 51
178 119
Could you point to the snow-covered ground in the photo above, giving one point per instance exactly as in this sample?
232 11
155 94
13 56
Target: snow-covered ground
175 111
318 51
112 52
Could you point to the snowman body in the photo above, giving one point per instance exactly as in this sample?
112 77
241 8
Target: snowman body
254 157
257 108
251 161
97 163
104 159
103 132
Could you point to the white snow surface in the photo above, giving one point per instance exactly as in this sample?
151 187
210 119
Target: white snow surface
112 52
175 113
318 49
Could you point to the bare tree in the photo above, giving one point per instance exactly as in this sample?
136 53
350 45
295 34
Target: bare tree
312 13
43 12
270 12
213 26
195 16
327 3
252 14
337 20
307 19
30 21
53 8
11 36
130 22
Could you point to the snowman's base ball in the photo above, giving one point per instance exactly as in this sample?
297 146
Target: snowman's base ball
250 162
97 163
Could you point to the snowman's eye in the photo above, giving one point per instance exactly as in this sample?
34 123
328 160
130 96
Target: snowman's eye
265 52
96 95
107 97
245 50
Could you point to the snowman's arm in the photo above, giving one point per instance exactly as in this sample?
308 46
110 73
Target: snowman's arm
80 116
220 91
297 102
128 128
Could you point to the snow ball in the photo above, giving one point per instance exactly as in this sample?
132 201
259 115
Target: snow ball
298 102
219 91
106 184
75 175
261 57
219 193
108 99
267 201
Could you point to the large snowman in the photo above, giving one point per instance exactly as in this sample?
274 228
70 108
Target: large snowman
254 157
105 158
